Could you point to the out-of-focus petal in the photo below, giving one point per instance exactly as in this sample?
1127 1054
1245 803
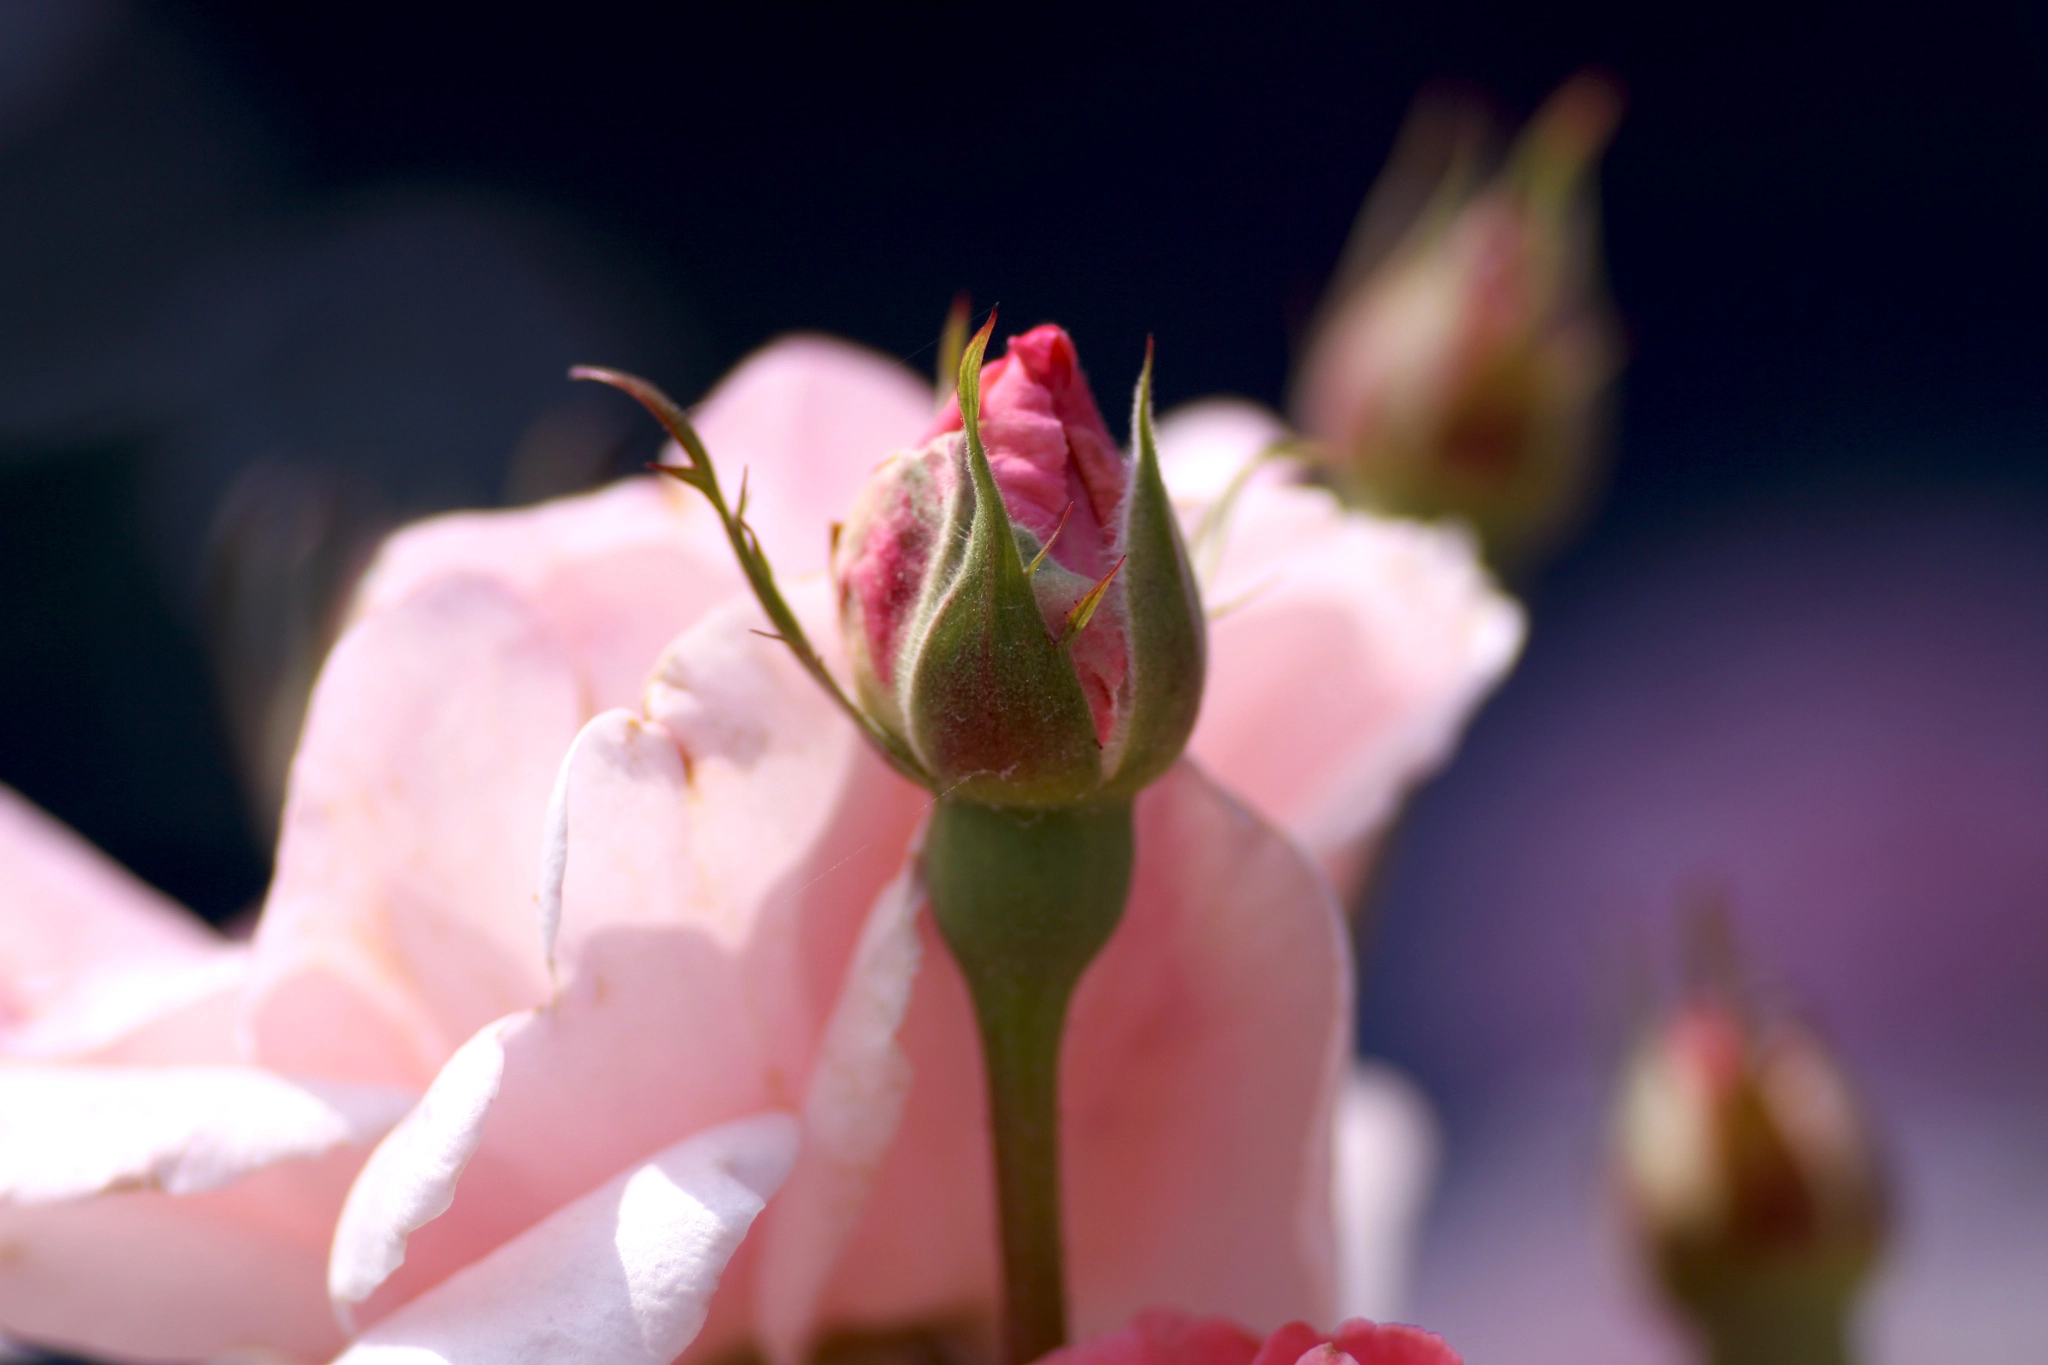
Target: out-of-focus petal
622 1276
850 1116
1209 1037
806 418
1206 446
1200 1068
1381 636
1391 1343
714 880
1384 1162
67 1132
613 575
88 954
401 916
410 1179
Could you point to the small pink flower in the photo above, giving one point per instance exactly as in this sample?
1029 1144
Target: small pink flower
1164 1337
713 1087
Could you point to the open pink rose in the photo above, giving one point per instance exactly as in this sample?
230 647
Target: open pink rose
1164 1337
712 1086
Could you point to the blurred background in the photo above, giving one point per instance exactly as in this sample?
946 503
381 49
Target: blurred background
273 278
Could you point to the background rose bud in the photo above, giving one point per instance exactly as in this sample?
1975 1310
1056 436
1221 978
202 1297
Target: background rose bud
1462 358
1748 1167
1107 575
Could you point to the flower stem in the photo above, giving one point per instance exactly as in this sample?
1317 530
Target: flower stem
1025 899
1778 1334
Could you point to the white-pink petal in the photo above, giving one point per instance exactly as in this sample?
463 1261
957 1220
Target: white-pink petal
1205 447
1346 650
613 574
622 1276
401 917
410 1179
88 954
1385 1157
712 891
67 1132
851 1114
148 1276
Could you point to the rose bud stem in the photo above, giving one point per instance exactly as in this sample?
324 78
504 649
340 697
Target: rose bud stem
1035 700
1043 669
1025 900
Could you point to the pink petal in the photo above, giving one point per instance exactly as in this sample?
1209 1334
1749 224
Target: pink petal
147 1276
93 1255
1392 1343
851 1115
410 1179
1206 446
1381 635
1385 1159
1200 1069
612 575
713 882
1292 1343
71 1131
622 1276
88 954
401 916
805 419
1161 1336
1206 1046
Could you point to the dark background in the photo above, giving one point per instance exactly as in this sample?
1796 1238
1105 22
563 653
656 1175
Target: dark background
368 241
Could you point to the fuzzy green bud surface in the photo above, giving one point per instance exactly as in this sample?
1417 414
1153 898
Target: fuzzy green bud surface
1015 598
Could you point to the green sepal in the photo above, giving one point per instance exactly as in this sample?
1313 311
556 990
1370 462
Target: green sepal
994 707
1169 647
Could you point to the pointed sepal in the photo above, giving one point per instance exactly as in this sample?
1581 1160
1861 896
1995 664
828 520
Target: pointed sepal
1168 639
992 702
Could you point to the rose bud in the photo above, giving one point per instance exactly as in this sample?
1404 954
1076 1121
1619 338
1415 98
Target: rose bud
1016 601
1747 1166
1462 357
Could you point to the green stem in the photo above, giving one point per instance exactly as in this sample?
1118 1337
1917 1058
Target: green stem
1792 1338
1025 899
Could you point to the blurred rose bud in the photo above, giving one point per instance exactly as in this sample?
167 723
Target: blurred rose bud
1746 1163
1043 646
1461 361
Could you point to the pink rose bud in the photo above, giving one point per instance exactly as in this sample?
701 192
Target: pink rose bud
1161 1336
1747 1165
1462 358
1018 609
